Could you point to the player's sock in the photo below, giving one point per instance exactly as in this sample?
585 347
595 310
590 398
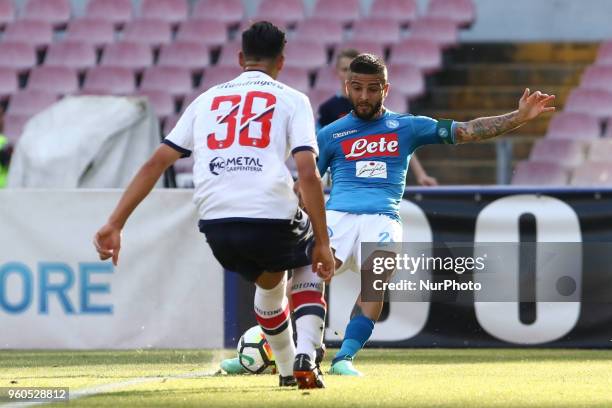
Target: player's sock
272 313
309 307
358 331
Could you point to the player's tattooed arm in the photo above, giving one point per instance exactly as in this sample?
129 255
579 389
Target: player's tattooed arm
530 107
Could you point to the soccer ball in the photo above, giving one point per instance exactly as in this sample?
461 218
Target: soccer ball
254 352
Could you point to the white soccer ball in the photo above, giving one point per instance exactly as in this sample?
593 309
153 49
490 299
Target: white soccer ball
254 352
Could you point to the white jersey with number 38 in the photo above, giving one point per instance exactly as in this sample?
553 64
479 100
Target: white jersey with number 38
241 132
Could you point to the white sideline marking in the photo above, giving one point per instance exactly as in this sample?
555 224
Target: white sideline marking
104 388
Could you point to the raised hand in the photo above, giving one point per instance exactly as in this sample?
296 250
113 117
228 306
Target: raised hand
531 105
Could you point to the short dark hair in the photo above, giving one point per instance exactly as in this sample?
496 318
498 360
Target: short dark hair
347 53
369 64
263 40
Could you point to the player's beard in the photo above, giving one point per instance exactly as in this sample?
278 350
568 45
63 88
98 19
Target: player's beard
370 113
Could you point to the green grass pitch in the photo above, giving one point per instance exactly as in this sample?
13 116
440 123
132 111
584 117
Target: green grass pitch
393 378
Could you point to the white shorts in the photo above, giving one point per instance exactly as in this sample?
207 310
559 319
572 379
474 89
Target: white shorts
348 231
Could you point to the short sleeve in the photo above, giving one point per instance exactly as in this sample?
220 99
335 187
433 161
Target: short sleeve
430 131
302 127
181 137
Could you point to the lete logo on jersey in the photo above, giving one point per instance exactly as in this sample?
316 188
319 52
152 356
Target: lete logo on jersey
371 146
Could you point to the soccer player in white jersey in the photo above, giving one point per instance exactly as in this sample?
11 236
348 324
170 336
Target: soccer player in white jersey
367 152
240 133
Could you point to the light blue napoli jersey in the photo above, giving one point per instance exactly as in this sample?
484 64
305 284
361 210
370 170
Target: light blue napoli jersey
368 159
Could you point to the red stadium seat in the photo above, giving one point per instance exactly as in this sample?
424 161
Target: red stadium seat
148 32
208 32
592 174
226 11
18 55
56 12
319 30
170 122
406 79
117 12
286 11
30 102
305 55
340 11
604 55
597 77
600 150
440 31
7 12
170 11
229 54
567 153
217 75
402 11
295 77
383 30
130 55
327 80
595 102
161 101
174 80
424 54
72 54
13 126
317 97
462 12
8 82
573 126
37 33
539 174
110 80
59 80
191 55
371 47
396 102
92 31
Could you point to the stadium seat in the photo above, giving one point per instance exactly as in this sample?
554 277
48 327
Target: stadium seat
130 55
217 75
421 53
191 55
327 80
78 55
396 102
573 126
8 82
595 102
60 80
18 55
317 97
319 30
295 77
592 174
161 101
383 30
170 11
539 174
149 32
608 132
170 122
174 80
7 12
229 54
37 33
13 126
402 11
117 12
597 77
600 150
604 55
304 54
229 12
29 102
92 31
567 153
462 12
286 12
208 32
373 47
440 31
340 11
109 80
56 12
406 79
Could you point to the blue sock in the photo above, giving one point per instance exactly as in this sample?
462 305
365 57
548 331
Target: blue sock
358 331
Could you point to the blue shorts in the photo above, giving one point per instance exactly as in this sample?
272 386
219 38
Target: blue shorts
252 246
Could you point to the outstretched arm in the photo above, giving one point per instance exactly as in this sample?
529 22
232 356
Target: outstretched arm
530 107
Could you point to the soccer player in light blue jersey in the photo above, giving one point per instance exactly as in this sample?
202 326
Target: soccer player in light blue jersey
367 153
